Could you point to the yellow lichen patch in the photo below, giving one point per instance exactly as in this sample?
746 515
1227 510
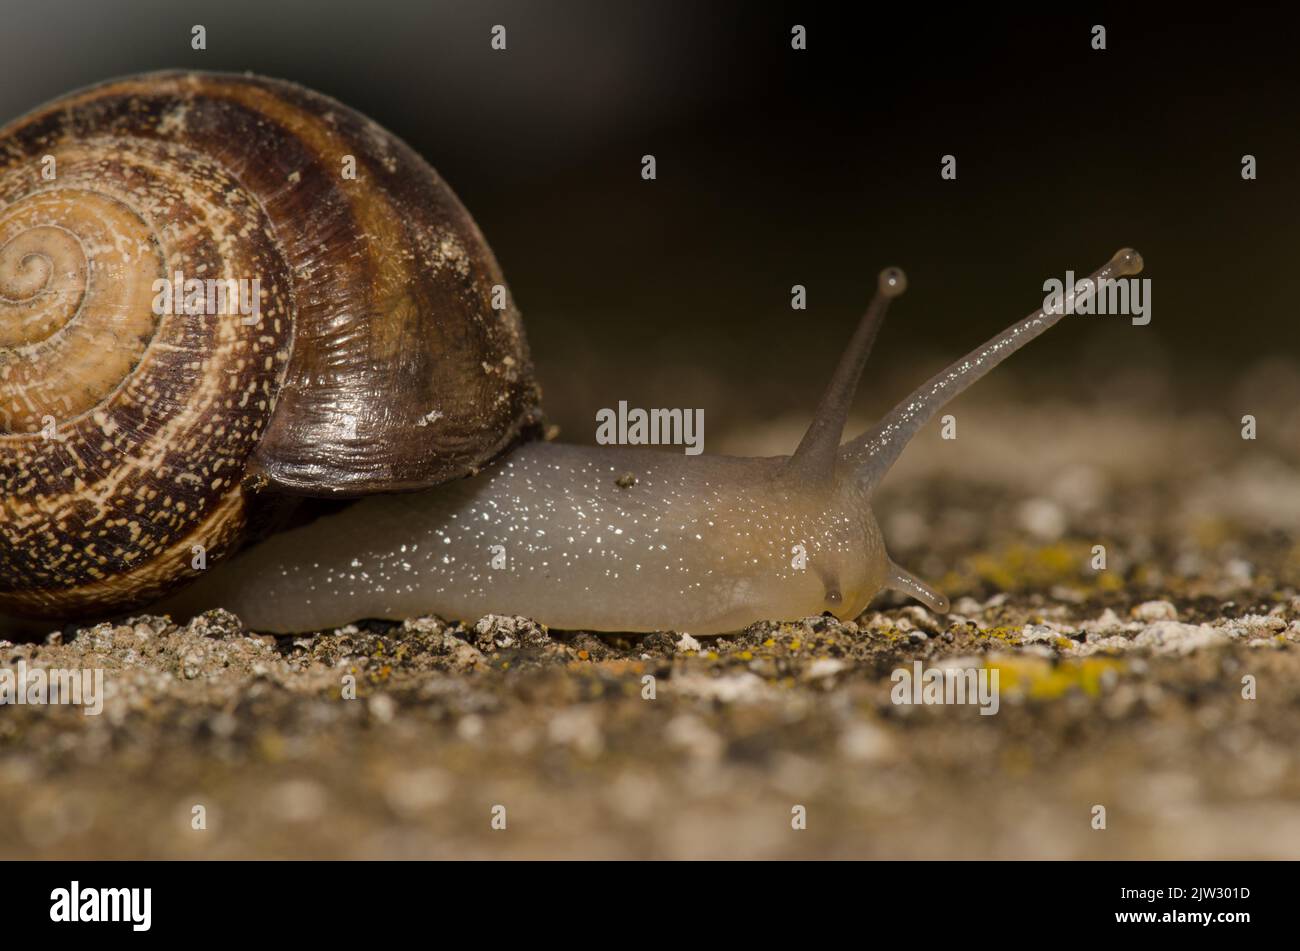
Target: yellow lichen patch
891 634
1210 533
1021 567
1008 635
1018 564
1109 581
1017 760
1040 679
270 745
624 667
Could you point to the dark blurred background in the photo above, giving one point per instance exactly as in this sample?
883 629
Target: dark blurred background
815 167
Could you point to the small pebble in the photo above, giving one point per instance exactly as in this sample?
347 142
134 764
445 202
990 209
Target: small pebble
1155 611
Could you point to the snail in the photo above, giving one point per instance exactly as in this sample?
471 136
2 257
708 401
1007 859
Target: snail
384 366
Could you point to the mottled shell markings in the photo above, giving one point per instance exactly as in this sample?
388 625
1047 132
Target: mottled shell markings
123 429
129 435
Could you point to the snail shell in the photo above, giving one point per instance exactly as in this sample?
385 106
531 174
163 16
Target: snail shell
128 436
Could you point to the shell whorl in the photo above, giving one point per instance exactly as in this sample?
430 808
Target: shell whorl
129 434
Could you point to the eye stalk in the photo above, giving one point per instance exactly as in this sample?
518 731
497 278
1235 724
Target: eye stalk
814 459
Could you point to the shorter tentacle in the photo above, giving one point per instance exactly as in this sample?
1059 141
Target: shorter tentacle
902 580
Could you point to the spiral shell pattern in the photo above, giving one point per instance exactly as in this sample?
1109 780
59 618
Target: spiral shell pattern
137 419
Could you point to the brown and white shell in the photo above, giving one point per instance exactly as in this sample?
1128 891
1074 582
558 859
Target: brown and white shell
130 435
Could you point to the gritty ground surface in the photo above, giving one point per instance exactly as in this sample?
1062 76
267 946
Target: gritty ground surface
1126 688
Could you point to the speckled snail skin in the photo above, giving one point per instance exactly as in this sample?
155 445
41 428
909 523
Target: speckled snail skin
379 368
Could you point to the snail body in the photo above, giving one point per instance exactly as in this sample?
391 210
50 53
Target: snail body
379 370
707 545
